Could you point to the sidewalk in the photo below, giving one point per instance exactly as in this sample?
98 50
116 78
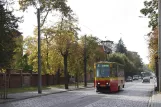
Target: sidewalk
156 100
32 94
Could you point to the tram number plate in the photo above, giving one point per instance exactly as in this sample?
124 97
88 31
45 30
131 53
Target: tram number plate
103 85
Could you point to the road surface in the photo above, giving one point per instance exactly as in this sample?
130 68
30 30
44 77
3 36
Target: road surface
135 94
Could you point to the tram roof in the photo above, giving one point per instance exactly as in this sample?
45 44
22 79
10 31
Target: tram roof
110 62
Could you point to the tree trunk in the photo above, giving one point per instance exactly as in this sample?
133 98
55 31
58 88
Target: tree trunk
77 79
58 76
65 71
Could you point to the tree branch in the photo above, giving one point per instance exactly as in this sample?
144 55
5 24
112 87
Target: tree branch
45 17
60 50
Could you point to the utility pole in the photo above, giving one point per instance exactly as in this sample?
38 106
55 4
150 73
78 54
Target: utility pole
159 58
85 63
156 73
39 53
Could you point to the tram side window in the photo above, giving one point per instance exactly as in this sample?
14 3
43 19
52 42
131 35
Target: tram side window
120 72
114 71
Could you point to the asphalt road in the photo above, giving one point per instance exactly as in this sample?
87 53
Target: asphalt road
135 94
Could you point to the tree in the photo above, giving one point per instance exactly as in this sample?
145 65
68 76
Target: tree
75 62
76 58
151 10
23 63
47 6
51 59
66 35
30 48
56 44
8 33
92 52
120 47
137 61
18 51
122 59
153 48
131 66
48 34
63 43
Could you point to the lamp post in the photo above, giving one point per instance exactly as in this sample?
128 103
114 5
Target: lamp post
85 63
142 17
159 44
156 73
39 53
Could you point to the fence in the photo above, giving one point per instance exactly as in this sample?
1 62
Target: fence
17 79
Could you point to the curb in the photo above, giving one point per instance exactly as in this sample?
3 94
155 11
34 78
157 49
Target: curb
150 102
152 99
39 95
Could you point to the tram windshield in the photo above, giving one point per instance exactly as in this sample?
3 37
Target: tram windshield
102 70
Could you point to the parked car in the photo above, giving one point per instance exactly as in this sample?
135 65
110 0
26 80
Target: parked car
129 79
146 79
135 77
151 77
140 77
155 83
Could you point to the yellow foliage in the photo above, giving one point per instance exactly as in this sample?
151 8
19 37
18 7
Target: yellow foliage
153 48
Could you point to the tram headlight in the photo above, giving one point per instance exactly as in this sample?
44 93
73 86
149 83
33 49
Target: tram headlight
98 83
108 84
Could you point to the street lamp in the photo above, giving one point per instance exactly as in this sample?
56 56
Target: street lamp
142 17
85 63
159 44
156 73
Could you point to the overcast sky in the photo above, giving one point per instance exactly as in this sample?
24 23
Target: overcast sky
105 18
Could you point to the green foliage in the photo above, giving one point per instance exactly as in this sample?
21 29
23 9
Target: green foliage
47 6
135 58
146 68
51 59
57 42
93 50
23 63
131 60
151 10
75 63
120 47
117 57
8 33
30 48
18 52
129 66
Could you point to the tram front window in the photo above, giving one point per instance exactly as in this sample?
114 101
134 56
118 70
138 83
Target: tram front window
103 70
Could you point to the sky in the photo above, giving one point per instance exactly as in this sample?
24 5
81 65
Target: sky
106 19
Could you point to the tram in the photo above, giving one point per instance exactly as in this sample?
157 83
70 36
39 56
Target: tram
109 76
